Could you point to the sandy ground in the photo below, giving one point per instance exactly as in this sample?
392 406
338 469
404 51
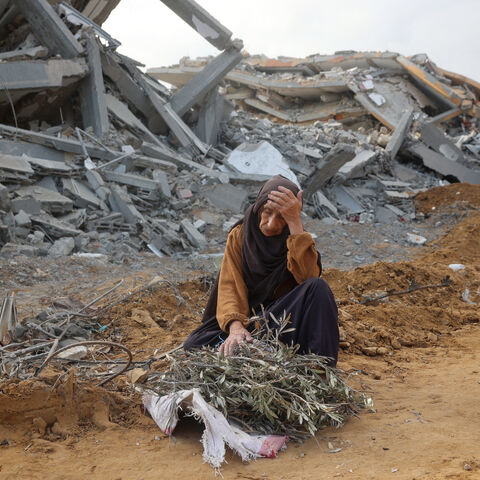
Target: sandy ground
417 354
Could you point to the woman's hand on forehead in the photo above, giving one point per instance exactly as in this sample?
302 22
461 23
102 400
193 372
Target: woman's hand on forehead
287 204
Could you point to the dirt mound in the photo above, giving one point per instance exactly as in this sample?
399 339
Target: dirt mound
422 317
463 196
56 406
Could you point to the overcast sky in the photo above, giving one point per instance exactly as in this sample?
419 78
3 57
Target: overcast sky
449 32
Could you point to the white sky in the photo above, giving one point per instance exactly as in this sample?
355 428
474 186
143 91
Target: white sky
448 31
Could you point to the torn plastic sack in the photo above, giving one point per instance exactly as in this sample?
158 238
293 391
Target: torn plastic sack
218 431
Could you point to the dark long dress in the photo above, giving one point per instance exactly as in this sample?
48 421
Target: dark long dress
313 315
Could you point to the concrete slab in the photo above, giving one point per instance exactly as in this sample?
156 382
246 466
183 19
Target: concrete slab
82 196
261 159
4 198
47 166
92 91
399 134
54 227
121 202
201 21
206 80
197 239
329 166
347 200
49 27
228 197
356 167
321 203
437 140
28 204
443 165
39 74
14 164
49 200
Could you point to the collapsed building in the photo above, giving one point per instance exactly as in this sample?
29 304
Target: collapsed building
98 156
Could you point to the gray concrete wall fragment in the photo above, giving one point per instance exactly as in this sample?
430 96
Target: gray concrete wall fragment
399 134
329 166
436 139
201 21
122 203
194 236
92 92
443 165
205 81
49 27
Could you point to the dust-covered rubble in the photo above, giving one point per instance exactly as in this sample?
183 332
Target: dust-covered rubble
97 157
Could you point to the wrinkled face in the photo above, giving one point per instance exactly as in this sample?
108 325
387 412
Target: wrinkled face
271 221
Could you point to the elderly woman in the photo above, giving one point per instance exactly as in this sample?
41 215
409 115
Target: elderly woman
271 264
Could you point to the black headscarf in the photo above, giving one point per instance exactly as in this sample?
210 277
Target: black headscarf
264 259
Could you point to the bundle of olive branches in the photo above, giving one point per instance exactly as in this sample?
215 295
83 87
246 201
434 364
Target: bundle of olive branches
266 387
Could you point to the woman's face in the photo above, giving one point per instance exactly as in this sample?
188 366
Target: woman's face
271 221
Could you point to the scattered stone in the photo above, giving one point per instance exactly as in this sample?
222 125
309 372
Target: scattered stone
62 247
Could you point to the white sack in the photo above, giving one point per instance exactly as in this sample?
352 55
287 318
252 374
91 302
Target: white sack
218 432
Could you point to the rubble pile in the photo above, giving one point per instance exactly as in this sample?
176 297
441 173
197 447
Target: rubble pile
347 124
94 156
98 157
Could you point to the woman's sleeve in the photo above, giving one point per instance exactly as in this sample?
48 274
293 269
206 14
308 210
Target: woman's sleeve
232 303
302 257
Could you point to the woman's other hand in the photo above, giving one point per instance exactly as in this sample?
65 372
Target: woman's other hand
237 335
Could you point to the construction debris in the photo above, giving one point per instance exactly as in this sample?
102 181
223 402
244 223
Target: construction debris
92 145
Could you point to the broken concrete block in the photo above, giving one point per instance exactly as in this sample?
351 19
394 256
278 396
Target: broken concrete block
54 227
228 197
398 136
355 167
94 179
10 163
416 239
162 181
201 21
320 202
22 219
62 247
36 238
92 91
5 204
49 200
443 165
82 196
206 80
329 166
121 202
193 235
346 199
200 225
10 250
27 204
49 28
436 139
77 218
261 159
